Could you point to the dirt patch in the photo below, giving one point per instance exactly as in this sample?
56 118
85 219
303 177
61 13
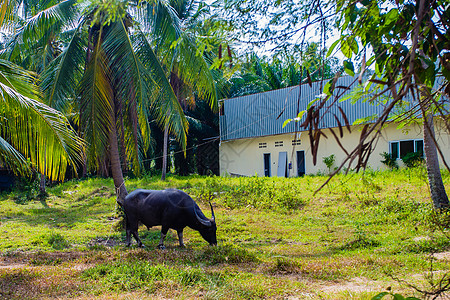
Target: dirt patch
11 266
357 285
39 258
442 255
106 242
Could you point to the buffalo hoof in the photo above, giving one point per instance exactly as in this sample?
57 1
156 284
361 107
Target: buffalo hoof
141 246
161 247
128 245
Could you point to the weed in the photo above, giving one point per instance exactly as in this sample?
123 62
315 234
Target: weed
133 275
413 159
329 161
389 160
277 238
284 265
227 253
361 240
56 241
25 189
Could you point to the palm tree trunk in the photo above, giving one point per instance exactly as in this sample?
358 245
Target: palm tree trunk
42 190
116 168
437 189
164 163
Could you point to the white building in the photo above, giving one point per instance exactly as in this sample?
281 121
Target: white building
254 142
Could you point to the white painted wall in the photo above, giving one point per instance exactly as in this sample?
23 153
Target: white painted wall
245 157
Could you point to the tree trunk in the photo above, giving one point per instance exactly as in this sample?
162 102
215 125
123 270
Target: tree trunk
42 190
116 168
164 163
437 189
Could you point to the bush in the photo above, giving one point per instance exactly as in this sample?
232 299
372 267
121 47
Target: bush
57 241
389 161
256 192
329 161
413 159
26 189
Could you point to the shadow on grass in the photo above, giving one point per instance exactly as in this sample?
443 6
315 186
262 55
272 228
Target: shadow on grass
92 206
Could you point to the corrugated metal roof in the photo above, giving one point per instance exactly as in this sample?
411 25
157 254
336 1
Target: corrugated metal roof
256 115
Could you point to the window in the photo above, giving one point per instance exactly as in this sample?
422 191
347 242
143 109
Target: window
399 149
279 144
262 145
394 149
296 142
419 146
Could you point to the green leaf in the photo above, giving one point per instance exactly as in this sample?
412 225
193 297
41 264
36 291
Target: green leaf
345 48
300 114
391 17
398 297
380 296
330 51
286 122
327 87
378 69
446 73
353 45
311 103
430 76
349 68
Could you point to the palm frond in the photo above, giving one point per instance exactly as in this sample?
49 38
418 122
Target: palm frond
6 8
96 103
48 21
159 98
194 71
13 159
59 79
40 133
159 19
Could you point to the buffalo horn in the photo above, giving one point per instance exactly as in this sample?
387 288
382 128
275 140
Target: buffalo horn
213 218
204 222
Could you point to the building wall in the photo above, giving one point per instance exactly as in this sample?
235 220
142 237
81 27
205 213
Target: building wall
246 156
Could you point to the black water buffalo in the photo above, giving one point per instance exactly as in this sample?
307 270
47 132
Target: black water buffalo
169 208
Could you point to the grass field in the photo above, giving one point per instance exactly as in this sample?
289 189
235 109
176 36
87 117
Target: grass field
277 240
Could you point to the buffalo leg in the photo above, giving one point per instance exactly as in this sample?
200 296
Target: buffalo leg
180 237
128 241
136 236
163 236
132 228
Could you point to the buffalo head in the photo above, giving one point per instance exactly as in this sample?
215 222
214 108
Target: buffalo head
208 231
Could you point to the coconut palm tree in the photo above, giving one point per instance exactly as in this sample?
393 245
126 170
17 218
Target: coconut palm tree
107 69
32 135
283 70
188 70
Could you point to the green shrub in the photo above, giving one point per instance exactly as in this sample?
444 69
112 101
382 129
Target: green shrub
413 159
389 161
57 241
260 193
26 189
329 161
